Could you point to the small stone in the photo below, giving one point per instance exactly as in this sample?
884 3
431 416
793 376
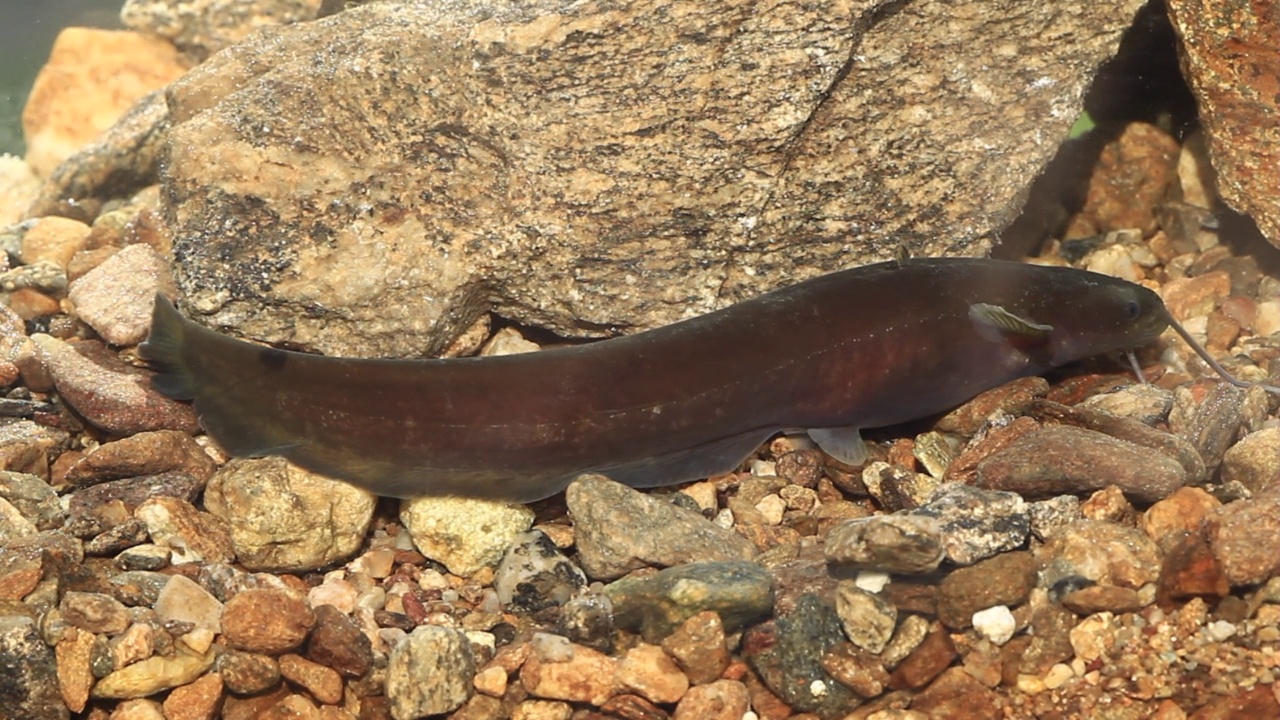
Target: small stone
464 534
1181 513
74 654
491 681
266 620
955 694
925 663
912 631
429 672
323 683
30 687
581 675
1145 403
53 240
182 600
21 569
720 700
197 701
1101 552
13 525
116 298
906 544
1189 570
867 618
1056 512
153 675
25 447
1103 598
147 453
1254 461
788 654
94 612
698 647
534 574
651 673
193 536
284 518
138 709
337 642
1057 460
1245 537
248 673
1012 398
996 624
108 393
739 592
977 523
1210 418
856 669
619 529
1005 579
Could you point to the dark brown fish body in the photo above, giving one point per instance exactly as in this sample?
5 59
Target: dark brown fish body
861 348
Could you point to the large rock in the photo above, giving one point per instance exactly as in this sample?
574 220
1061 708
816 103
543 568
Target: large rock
388 173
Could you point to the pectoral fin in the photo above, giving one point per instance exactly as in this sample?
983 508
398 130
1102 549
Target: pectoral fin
999 325
842 443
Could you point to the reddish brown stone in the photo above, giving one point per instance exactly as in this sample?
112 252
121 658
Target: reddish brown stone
925 663
1190 570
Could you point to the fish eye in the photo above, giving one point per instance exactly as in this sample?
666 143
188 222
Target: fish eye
1132 309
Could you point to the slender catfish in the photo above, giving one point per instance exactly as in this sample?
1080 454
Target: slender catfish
862 348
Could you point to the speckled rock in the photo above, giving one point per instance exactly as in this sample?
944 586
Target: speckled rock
74 653
33 498
266 620
324 683
202 28
282 517
109 393
429 672
892 543
1245 537
788 652
976 523
146 453
30 687
534 574
337 642
619 529
1100 552
739 592
192 535
92 77
116 297
698 647
1005 579
867 618
94 612
199 700
464 534
734 140
1254 462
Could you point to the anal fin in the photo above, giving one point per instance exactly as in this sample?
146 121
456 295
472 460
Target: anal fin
701 461
842 443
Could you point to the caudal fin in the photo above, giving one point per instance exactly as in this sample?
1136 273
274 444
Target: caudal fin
163 350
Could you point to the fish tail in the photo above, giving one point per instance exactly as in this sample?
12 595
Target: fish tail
163 350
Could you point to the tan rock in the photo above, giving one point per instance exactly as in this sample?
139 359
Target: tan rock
192 535
586 675
18 188
53 239
464 534
323 683
264 620
200 700
649 671
91 79
116 297
153 675
74 653
720 700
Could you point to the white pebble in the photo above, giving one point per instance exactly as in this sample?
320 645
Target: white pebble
872 581
995 624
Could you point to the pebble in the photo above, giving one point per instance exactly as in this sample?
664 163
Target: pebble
897 488
787 653
30 687
127 495
1179 514
1144 403
1047 516
266 620
1210 418
868 619
25 447
116 297
1057 460
1254 461
147 453
108 393
247 673
284 518
574 673
198 700
925 662
74 654
53 240
191 535
183 600
464 534
324 683
94 612
337 642
698 647
908 544
996 624
977 523
33 499
1005 579
153 675
719 700
1012 398
1100 552
619 529
535 574
1245 537
856 669
648 671
429 672
739 592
